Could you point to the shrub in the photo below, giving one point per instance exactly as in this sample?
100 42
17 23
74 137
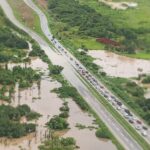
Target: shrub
102 133
57 123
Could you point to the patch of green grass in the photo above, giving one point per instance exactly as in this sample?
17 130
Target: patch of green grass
69 36
140 55
134 18
36 26
130 18
89 43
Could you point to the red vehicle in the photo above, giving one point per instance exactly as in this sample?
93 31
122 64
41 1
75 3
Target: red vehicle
107 41
139 122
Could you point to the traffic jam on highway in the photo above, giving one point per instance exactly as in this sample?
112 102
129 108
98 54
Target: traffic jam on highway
112 99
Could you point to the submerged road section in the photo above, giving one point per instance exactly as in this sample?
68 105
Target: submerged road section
72 75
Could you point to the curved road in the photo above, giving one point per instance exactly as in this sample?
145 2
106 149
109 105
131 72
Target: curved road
72 76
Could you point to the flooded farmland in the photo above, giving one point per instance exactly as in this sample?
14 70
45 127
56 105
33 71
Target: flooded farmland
41 100
120 66
82 136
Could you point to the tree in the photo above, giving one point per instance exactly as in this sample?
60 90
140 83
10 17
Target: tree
55 69
57 123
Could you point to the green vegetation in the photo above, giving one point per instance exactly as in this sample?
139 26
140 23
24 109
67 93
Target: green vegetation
13 47
59 144
8 78
60 122
10 117
146 80
86 60
66 91
57 123
131 94
11 40
26 16
25 76
55 69
71 92
38 52
5 89
135 19
80 126
119 118
102 133
76 25
25 110
64 110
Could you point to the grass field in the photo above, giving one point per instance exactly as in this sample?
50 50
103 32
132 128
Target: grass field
130 18
26 16
136 19
69 36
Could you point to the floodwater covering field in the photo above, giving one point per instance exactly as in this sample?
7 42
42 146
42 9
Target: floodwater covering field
120 66
41 100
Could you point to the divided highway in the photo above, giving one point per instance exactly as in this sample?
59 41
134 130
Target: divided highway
69 63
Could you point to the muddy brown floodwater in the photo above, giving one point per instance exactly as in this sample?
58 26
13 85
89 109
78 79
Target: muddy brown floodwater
85 138
41 100
120 66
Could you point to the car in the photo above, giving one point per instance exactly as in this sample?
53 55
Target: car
138 121
76 64
71 58
101 87
123 106
127 111
118 108
138 127
145 128
109 98
144 133
113 97
105 95
125 115
119 103
131 121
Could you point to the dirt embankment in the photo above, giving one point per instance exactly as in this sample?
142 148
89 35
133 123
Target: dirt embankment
24 12
43 3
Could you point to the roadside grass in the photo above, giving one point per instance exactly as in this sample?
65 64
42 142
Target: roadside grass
139 55
27 16
118 117
69 34
84 106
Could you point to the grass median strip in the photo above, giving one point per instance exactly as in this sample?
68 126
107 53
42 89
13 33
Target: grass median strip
118 117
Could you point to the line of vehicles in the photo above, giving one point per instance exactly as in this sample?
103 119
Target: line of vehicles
112 99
